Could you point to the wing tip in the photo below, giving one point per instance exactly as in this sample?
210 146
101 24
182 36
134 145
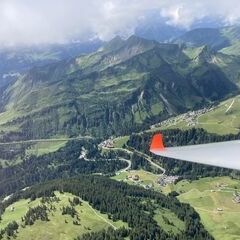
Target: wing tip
157 143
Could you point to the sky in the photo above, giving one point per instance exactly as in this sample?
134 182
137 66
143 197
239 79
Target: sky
58 21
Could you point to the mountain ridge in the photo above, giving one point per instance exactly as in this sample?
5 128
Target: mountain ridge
133 85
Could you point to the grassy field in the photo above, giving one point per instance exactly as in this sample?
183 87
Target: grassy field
145 178
206 196
120 141
36 148
223 119
57 228
173 223
42 148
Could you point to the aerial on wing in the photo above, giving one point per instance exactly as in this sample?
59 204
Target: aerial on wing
221 154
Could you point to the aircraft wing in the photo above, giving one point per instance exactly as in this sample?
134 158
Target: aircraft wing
222 154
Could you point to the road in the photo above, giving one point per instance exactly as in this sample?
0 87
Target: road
45 140
89 137
148 158
230 105
97 214
120 159
129 164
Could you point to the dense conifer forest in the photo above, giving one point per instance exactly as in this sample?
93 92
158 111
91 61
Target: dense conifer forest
63 163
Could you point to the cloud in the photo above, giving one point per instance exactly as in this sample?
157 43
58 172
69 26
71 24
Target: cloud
58 21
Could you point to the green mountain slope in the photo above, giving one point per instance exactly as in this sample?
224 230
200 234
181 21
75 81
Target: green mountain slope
59 226
123 87
15 61
234 49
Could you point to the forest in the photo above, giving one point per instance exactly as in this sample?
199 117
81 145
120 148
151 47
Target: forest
131 204
61 164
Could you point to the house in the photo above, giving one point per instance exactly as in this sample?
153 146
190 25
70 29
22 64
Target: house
135 177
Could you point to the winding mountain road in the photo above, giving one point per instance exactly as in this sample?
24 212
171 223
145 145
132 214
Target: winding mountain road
148 158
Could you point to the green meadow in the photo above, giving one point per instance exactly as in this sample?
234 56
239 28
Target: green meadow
212 198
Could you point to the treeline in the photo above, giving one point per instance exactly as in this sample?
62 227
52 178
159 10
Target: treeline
10 230
63 163
178 137
120 201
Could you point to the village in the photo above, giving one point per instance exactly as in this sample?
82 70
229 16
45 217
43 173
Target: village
191 118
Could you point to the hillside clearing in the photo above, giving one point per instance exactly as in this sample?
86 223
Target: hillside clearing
60 226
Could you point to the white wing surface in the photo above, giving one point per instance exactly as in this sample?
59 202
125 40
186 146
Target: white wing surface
222 154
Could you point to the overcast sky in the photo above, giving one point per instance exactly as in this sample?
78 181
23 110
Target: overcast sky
57 21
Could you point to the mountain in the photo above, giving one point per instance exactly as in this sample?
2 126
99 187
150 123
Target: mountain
153 26
233 49
15 61
216 38
112 91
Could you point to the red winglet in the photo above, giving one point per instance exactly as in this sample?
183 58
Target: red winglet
157 143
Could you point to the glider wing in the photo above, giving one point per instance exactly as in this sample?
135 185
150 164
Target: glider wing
222 154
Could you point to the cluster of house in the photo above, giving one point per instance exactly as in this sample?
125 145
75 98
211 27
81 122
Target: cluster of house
137 179
164 180
190 118
109 143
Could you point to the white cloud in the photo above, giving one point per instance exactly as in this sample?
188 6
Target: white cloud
50 21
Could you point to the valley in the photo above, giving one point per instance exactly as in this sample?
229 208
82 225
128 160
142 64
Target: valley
76 121
195 193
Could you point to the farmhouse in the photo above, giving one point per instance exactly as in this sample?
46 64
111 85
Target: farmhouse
134 177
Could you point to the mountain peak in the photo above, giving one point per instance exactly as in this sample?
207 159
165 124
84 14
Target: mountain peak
135 40
114 44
